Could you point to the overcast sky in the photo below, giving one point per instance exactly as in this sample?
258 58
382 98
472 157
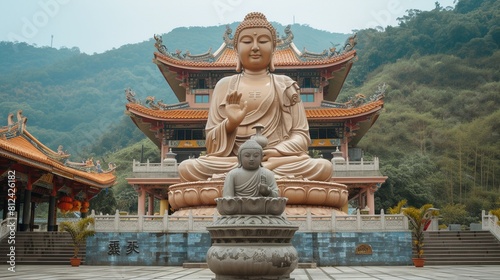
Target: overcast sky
100 25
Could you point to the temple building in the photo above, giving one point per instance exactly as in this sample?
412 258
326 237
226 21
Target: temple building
31 173
335 128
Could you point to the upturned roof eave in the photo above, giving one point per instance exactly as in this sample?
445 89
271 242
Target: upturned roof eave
61 170
316 64
148 113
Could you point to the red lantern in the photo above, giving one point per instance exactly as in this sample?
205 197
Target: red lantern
66 198
76 206
64 206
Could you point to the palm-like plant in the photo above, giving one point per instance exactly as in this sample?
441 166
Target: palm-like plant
79 232
419 219
496 212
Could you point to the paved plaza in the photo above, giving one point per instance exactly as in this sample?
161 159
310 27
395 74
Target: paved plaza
66 272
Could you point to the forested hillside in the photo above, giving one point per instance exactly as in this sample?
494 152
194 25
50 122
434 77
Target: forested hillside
439 135
437 138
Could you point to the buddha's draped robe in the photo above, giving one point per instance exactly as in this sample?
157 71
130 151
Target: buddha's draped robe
285 125
251 186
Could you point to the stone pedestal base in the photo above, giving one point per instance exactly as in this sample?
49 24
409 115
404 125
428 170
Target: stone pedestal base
251 240
252 261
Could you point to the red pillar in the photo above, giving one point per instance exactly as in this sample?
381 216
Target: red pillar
141 201
51 219
27 204
151 204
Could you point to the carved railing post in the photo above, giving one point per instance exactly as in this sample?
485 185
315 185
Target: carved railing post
165 221
140 223
190 220
358 219
334 221
309 220
382 218
117 220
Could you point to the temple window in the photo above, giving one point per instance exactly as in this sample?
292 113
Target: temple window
307 97
307 83
201 98
201 84
198 134
189 134
326 133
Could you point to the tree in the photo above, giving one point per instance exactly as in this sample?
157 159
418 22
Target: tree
104 202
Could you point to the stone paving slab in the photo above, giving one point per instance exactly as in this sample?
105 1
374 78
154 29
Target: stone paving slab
66 272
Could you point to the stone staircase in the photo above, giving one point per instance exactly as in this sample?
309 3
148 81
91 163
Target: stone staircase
54 248
461 248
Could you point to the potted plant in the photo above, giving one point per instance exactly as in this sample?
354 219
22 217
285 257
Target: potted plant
419 219
79 231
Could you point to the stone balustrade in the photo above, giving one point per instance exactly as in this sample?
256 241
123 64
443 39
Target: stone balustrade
490 222
341 169
154 170
6 225
306 223
356 168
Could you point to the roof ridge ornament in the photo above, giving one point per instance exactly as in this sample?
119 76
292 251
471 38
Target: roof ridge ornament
14 128
285 40
228 37
351 42
159 44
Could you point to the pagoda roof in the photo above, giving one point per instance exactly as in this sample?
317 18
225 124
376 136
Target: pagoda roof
147 119
202 114
283 59
335 63
18 148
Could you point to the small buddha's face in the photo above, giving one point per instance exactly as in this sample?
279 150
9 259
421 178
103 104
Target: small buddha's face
251 158
255 48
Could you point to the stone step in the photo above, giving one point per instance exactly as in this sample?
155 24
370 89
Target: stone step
481 254
471 261
455 244
461 248
51 248
487 251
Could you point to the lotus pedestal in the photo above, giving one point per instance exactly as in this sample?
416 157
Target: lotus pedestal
252 240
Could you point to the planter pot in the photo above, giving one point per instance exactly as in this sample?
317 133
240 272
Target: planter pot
75 261
418 262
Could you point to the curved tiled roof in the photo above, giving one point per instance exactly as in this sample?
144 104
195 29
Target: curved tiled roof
21 149
321 113
202 114
282 58
190 114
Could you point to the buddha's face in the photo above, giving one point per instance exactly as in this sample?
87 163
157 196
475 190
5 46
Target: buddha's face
255 48
251 158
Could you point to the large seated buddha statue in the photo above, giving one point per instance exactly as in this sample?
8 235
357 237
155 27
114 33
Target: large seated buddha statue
256 98
253 97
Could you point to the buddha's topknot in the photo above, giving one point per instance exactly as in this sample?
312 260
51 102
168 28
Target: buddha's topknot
255 19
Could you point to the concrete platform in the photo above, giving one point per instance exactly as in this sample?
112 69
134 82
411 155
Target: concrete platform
66 272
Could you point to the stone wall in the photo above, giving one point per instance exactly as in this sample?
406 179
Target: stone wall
322 248
340 248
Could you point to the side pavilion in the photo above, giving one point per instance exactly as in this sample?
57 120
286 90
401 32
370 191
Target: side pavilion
32 173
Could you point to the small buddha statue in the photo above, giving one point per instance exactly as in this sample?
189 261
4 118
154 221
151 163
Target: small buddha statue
250 178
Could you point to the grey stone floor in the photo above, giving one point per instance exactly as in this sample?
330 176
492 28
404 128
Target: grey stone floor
66 272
